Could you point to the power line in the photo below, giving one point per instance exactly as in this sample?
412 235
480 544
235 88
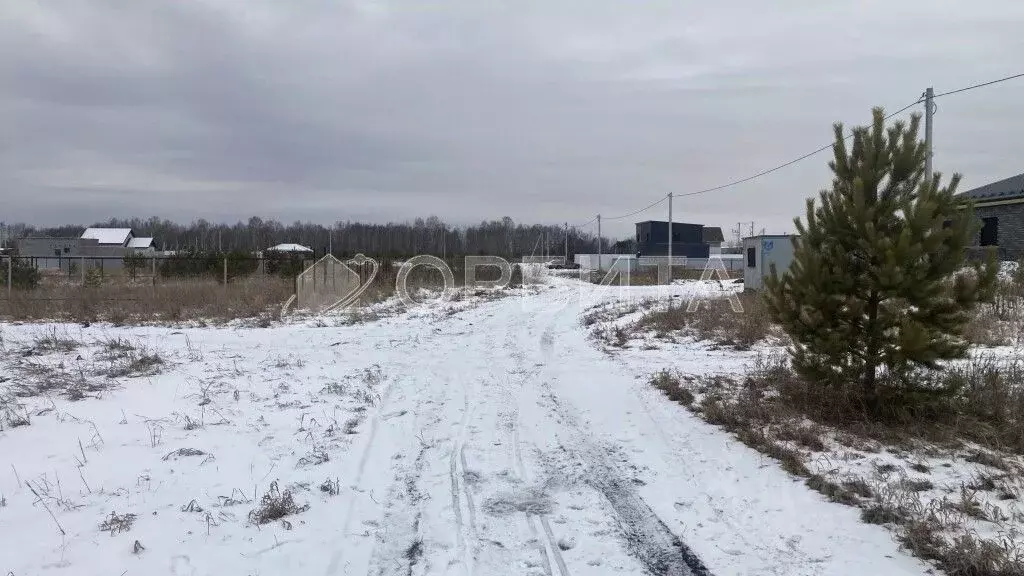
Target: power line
791 162
587 223
983 84
805 156
635 212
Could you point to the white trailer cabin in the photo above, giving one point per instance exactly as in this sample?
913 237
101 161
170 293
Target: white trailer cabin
760 253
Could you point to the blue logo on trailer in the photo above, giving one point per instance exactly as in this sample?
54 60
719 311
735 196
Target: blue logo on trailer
767 245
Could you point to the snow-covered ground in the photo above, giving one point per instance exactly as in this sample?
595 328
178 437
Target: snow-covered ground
970 492
492 437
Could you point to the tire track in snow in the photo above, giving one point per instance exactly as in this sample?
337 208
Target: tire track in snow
458 457
518 461
470 504
354 487
551 547
648 538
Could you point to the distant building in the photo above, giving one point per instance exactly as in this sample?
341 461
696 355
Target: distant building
714 238
291 248
96 247
1000 207
652 239
108 236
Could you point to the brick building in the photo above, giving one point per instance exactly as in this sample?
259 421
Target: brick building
1000 207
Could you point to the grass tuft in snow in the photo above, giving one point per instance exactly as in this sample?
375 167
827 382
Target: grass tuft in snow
118 523
52 341
331 487
134 363
670 385
184 453
275 505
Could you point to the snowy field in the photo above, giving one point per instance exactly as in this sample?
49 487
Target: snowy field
486 436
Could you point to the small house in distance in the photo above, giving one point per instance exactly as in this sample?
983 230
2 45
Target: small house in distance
96 247
1000 207
652 239
760 253
714 238
292 248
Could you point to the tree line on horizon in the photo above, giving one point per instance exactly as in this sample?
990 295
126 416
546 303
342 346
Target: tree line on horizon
502 237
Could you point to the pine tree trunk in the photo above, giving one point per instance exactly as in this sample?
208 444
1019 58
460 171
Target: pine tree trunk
871 353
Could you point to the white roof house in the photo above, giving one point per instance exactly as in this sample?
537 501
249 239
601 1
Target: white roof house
140 243
108 236
290 248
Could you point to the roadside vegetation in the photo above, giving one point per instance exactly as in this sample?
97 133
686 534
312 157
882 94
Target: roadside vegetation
885 383
190 289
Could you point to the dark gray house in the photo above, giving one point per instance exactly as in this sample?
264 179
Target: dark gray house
688 240
1000 207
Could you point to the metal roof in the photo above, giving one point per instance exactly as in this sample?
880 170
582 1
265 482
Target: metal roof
108 235
140 242
290 248
713 234
1007 189
674 223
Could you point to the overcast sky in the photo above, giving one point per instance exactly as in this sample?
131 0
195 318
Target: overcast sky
545 110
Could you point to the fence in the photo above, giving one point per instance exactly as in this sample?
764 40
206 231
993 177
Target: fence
731 262
197 288
153 287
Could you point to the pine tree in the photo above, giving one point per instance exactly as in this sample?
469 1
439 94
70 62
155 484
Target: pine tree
877 283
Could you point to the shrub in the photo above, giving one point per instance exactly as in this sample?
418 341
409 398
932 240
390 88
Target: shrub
24 275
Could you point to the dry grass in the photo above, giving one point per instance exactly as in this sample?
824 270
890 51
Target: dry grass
134 363
127 302
773 412
117 523
1000 322
120 298
714 321
275 505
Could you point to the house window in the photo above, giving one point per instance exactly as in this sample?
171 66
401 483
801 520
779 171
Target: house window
751 257
67 250
989 232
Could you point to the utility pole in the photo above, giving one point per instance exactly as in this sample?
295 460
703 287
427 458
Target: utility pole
929 110
670 262
599 242
566 261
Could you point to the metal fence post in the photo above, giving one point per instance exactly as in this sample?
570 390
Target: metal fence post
81 266
225 273
10 277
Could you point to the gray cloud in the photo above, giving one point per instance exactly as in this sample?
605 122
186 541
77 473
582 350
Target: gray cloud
544 111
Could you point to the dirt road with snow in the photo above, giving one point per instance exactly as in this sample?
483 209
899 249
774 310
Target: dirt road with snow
494 440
